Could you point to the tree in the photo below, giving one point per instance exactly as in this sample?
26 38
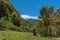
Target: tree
15 19
45 13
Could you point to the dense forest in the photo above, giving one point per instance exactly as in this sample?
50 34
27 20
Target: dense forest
10 18
48 23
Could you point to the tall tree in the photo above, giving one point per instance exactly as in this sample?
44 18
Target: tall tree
45 13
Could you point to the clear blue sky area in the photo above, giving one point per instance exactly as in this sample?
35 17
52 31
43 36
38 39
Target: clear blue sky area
32 7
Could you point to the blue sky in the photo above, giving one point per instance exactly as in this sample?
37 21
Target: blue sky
32 7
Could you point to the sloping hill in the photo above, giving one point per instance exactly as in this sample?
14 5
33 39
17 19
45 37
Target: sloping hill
10 18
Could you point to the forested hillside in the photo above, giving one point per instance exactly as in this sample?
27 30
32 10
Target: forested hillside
10 18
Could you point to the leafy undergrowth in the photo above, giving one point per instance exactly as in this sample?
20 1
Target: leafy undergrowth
11 35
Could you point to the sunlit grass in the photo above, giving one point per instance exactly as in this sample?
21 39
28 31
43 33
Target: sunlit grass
10 35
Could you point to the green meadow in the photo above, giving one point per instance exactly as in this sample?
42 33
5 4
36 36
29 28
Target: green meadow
11 35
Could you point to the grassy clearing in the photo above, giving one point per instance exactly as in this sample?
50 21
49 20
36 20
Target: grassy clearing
10 35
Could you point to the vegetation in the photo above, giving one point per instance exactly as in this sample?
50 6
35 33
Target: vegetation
8 35
10 18
48 24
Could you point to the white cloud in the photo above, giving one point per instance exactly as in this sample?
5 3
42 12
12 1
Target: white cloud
28 17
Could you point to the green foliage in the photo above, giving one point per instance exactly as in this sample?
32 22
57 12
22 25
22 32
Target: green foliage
10 18
6 25
45 23
15 19
25 26
48 24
